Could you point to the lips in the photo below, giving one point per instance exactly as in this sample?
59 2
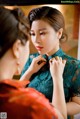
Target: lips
39 47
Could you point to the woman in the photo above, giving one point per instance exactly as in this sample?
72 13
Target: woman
16 101
47 31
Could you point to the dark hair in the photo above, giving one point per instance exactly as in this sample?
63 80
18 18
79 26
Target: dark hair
53 16
13 25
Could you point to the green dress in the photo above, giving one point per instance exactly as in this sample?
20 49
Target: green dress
42 80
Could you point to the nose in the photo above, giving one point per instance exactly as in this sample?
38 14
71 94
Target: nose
37 39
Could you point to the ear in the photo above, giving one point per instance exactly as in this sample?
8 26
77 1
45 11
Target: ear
59 33
16 48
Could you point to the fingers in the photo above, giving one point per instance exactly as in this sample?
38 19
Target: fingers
42 63
57 65
58 59
64 61
40 60
37 63
52 60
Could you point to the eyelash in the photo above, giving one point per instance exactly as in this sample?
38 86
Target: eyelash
43 33
33 34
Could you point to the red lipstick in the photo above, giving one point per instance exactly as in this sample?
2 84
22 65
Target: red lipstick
39 47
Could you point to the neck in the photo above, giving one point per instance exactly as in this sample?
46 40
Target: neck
53 51
7 69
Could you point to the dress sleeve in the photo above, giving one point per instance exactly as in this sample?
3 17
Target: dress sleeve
75 89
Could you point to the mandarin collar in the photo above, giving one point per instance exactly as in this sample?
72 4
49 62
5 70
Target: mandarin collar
59 53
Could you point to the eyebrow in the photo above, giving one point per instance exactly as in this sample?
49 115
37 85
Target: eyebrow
42 29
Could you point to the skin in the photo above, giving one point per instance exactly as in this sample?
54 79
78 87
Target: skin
56 68
8 62
44 36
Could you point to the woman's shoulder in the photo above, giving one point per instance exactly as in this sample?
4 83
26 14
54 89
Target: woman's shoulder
25 99
72 70
72 66
71 60
12 84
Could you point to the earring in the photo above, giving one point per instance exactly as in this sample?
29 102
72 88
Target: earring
18 68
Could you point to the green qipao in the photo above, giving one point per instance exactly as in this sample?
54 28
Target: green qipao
42 80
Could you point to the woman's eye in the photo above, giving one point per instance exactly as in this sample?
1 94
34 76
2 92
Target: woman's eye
32 34
42 33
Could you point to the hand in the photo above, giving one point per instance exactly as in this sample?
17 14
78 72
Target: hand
37 63
57 67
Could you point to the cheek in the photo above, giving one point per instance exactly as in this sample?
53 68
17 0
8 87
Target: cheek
24 56
49 43
33 41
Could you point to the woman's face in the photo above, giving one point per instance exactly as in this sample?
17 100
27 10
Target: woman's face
44 37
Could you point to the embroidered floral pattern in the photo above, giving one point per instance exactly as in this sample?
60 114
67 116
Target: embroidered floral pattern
42 80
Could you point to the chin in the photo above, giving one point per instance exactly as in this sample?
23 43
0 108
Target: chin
41 53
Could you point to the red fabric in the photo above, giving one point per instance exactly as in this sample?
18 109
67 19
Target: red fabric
24 103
